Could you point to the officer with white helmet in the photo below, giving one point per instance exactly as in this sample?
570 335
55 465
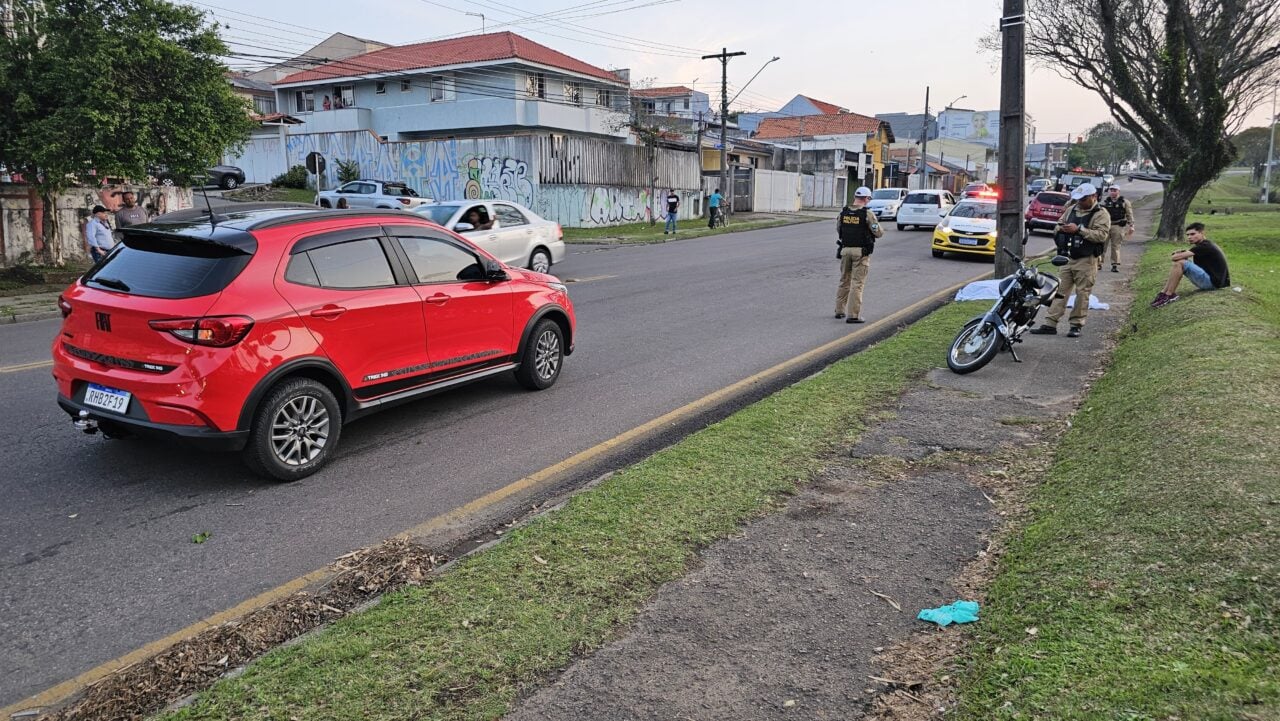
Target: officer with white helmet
1081 235
856 231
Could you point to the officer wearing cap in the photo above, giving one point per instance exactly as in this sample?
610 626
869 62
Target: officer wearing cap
1121 212
1081 235
856 231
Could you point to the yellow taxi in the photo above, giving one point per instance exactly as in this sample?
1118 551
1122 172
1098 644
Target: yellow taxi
970 228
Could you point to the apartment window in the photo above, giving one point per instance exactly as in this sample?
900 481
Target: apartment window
344 96
405 85
263 105
442 89
685 104
304 101
380 88
535 85
604 98
573 93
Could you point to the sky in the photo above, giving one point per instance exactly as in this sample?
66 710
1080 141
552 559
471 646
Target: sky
868 57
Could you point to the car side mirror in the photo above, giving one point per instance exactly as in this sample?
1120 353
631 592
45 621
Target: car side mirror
1060 260
494 271
463 227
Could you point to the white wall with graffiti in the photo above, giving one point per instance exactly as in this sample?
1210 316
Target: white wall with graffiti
509 168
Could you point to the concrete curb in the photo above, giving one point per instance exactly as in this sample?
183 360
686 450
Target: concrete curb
29 317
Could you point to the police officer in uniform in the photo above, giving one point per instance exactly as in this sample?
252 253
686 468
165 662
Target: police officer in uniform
1121 212
1081 234
857 229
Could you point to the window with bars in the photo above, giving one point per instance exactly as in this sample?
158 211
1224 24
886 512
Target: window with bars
604 98
535 85
573 92
442 88
304 101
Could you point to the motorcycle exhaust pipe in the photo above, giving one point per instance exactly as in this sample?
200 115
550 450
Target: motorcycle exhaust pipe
86 424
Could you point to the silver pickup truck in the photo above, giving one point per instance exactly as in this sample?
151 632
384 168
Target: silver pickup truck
371 194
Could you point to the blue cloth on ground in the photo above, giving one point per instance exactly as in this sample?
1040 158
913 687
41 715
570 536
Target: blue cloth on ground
958 612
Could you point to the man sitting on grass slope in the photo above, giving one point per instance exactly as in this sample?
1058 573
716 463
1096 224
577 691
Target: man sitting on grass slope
1204 265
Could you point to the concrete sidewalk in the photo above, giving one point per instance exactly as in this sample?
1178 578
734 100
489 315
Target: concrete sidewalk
29 307
810 612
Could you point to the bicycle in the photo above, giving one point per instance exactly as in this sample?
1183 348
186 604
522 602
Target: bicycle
721 219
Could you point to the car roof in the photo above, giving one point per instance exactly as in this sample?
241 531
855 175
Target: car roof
232 226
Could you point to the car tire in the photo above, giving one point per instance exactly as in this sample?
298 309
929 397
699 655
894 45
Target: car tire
540 260
543 356
939 254
901 226
229 183
308 410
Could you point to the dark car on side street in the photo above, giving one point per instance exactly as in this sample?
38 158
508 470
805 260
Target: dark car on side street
1044 210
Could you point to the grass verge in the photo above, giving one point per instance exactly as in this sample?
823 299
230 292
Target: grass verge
272 194
1149 572
463 646
644 233
1231 192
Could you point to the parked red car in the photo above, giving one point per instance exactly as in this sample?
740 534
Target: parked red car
979 190
1044 210
268 330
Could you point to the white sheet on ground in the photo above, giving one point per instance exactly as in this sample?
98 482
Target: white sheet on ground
990 290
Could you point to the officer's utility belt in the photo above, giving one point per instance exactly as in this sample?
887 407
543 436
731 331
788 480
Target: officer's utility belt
1121 223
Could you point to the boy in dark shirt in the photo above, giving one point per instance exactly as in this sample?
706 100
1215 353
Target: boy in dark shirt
1204 265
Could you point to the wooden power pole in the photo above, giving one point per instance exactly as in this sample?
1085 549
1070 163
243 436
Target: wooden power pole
1013 93
723 56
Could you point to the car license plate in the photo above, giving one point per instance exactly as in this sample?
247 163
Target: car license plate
967 241
106 398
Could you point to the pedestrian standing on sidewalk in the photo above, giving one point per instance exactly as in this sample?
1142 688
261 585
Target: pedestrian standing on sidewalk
97 234
1081 235
856 230
1121 212
714 205
131 213
1203 264
673 210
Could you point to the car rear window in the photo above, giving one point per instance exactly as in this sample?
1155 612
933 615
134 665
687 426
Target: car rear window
438 214
885 194
1053 198
168 267
399 191
922 199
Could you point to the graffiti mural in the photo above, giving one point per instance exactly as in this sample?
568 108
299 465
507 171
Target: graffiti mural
498 179
584 206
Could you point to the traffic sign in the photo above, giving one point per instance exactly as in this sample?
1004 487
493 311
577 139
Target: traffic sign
315 163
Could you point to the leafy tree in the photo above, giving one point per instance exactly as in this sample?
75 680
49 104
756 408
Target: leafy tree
1107 145
1077 157
348 170
1252 145
111 88
1180 75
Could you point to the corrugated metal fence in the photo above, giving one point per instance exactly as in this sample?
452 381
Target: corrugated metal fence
586 161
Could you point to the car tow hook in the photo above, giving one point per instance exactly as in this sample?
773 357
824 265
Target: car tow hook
86 424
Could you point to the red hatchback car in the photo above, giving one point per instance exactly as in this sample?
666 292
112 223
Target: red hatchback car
1044 210
267 330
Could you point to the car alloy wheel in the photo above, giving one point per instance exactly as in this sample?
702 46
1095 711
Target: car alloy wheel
540 261
230 183
300 431
547 358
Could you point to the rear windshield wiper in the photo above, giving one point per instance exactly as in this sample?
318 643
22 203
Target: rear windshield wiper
112 283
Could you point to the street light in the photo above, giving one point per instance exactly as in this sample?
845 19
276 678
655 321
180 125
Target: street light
753 77
481 16
1271 149
947 107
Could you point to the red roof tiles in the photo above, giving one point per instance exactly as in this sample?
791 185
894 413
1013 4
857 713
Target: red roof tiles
825 108
456 51
671 92
810 125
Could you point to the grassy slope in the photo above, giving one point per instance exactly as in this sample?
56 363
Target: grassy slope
644 233
1150 570
462 646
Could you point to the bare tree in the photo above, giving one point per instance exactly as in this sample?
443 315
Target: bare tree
1181 75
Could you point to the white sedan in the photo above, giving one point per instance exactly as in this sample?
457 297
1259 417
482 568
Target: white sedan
508 231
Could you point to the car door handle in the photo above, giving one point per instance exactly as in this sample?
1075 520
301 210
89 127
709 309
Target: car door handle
439 299
328 311
493 236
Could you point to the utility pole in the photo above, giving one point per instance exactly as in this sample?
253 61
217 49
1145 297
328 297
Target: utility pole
1013 92
698 145
723 56
1271 150
924 145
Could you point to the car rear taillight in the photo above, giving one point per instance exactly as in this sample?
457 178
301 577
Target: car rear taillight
559 232
64 305
217 331
403 201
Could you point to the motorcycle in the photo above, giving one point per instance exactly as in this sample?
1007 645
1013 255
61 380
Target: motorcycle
1021 297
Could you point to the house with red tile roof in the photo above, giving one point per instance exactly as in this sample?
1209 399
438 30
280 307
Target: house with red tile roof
849 131
674 102
473 86
799 105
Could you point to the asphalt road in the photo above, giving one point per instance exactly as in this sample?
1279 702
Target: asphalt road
95 549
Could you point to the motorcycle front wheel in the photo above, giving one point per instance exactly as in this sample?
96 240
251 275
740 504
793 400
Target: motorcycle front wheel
975 346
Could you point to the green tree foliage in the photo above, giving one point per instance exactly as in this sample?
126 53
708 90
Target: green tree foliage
114 88
295 177
1252 145
1107 145
348 170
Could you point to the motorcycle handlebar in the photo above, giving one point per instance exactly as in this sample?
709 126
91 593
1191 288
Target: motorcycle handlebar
1011 255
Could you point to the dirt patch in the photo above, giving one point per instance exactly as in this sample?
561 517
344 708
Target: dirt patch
194 664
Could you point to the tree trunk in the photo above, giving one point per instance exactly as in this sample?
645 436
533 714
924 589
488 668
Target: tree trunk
1198 170
52 241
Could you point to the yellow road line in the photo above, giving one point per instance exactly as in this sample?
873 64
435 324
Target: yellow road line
61 691
25 366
